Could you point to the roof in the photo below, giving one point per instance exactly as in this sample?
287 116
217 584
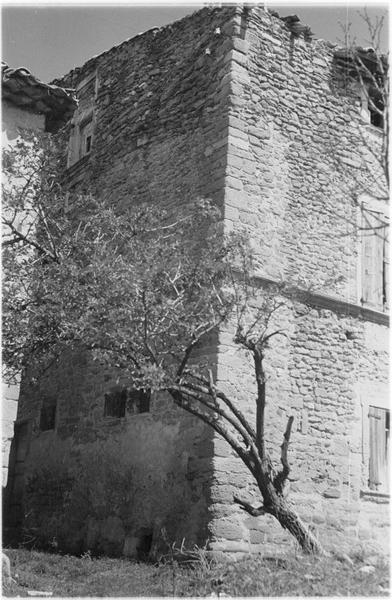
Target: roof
22 89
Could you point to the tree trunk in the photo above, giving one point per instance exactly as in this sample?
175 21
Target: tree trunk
289 520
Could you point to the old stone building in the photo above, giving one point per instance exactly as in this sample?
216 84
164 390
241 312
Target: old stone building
30 105
232 105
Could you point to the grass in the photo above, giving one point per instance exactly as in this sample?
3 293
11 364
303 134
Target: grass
105 577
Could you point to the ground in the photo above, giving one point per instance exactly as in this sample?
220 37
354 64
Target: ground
63 576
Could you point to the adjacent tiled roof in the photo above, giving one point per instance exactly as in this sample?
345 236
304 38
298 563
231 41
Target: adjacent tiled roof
22 89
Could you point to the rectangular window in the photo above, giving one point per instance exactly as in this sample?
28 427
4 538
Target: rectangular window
88 144
115 403
48 414
379 425
376 108
139 401
375 259
83 121
85 137
118 402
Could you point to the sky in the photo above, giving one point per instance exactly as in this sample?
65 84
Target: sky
50 40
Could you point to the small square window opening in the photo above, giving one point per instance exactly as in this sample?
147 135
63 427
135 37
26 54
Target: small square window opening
115 403
48 415
139 401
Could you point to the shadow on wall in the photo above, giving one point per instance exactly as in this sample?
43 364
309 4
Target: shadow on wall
100 502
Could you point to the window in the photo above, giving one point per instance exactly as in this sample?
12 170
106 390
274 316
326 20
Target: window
371 105
139 401
115 403
48 414
88 144
119 401
376 118
374 259
379 420
85 138
81 139
376 104
82 125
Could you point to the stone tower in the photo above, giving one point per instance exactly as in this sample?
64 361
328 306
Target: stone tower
229 104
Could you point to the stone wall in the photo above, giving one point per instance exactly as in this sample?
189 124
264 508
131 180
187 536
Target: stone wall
157 116
317 375
160 114
296 166
123 480
225 104
297 161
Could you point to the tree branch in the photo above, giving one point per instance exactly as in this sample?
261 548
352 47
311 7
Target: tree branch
281 477
237 413
197 393
195 340
216 425
145 329
20 237
260 401
251 510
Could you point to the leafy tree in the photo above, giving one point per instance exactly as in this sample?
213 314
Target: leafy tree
143 291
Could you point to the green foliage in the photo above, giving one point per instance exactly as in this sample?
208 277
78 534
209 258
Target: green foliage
46 503
135 285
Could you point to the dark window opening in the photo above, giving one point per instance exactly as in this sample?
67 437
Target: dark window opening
376 107
86 137
115 403
139 401
144 544
48 416
376 119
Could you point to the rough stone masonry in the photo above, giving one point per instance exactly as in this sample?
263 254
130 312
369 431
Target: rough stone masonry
225 104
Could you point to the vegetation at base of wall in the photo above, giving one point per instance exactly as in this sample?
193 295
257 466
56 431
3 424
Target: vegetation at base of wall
68 576
46 503
59 508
